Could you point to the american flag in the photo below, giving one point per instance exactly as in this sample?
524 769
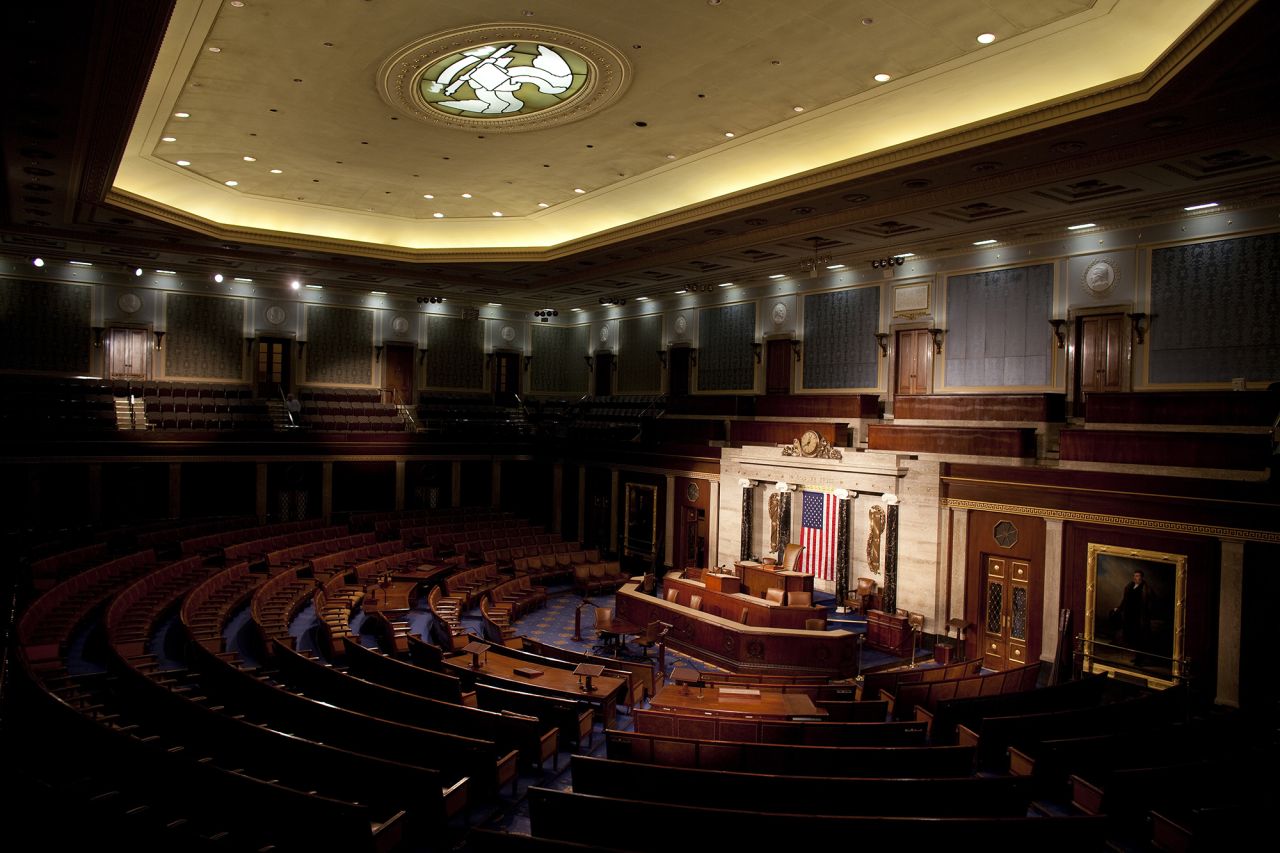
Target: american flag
818 535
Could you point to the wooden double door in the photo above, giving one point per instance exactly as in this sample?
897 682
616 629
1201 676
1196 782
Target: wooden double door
914 362
1011 601
1100 356
127 353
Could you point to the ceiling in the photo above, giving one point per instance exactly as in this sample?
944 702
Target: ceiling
1116 112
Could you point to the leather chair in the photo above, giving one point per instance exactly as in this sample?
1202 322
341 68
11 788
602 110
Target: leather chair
790 556
746 614
775 595
800 598
863 598
695 601
672 594
653 633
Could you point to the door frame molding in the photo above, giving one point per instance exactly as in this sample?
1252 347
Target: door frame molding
1074 315
891 379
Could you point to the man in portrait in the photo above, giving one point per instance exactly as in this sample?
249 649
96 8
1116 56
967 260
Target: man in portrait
1136 610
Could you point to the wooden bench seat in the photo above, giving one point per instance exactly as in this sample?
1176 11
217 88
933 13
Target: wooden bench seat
927 694
667 723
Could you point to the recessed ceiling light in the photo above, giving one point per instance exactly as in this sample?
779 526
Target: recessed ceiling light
166 272
215 50
137 271
495 304
906 255
438 215
182 115
249 159
1081 226
726 284
883 78
80 263
497 213
217 277
984 242
237 3
729 134
579 190
777 276
671 156
245 280
232 183
986 38
378 292
642 299
1205 206
427 195
798 109
315 287
543 204
678 292
466 195
168 139
277 171
575 309
184 162
835 266
295 284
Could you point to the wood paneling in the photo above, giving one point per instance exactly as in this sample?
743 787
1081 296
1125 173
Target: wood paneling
1016 442
1234 451
771 432
982 407
760 613
1225 408
819 406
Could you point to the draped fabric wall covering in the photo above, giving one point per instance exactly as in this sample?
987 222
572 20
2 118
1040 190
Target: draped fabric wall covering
840 349
339 345
639 339
998 331
1215 311
558 363
203 339
455 353
726 360
44 327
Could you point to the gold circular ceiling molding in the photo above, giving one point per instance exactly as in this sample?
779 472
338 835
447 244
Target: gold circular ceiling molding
503 78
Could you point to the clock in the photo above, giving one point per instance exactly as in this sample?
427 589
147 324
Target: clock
692 493
508 334
275 315
400 325
810 442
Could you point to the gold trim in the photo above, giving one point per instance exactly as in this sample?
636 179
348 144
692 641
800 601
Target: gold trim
1234 533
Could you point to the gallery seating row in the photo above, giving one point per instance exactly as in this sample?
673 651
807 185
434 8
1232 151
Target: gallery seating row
905 697
946 715
256 550
131 616
800 732
874 682
212 543
209 606
299 556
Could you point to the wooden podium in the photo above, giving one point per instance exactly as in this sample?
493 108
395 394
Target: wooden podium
889 632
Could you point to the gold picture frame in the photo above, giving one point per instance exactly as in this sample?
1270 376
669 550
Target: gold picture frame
1135 630
640 521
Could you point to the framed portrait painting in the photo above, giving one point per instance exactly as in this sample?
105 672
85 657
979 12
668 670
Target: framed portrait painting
1135 611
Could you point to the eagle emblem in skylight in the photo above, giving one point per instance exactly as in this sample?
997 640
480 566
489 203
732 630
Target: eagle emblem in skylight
499 80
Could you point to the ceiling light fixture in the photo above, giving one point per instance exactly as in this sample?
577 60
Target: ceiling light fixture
466 195
579 190
1205 206
378 292
137 271
182 115
777 276
984 242
295 284
835 266
671 156
575 309
680 292
168 139
905 255
543 204
726 284
427 195
986 38
495 304
642 299
497 213
438 215
315 287
232 183
883 78
885 263
1081 226
217 277
249 159
80 263
166 272
245 280
810 265
277 171
729 134
184 162
215 50
797 109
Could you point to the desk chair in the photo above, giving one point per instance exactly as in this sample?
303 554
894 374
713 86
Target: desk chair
672 594
791 556
800 598
654 632
603 622
774 594
695 601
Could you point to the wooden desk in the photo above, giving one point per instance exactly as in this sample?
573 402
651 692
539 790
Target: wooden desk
615 631
756 579
761 613
888 632
499 670
396 596
744 648
735 702
727 584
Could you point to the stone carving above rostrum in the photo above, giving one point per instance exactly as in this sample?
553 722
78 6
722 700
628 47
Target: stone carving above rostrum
861 472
